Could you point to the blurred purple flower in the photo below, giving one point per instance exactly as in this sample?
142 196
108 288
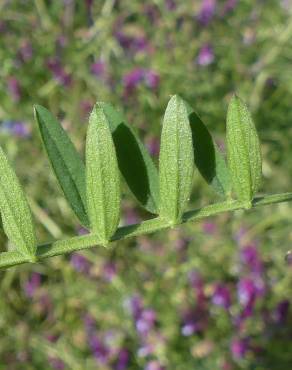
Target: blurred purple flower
207 11
32 284
59 73
132 79
131 43
206 55
221 296
135 306
14 89
152 79
56 363
16 128
109 271
98 69
89 324
229 6
249 256
99 350
80 263
209 227
281 312
154 365
25 51
195 320
247 291
122 359
146 321
239 347
170 4
153 145
131 216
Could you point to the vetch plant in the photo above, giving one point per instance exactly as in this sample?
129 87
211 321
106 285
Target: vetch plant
113 148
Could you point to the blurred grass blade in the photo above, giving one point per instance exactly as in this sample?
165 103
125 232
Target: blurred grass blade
15 211
243 151
207 156
65 160
135 163
176 160
102 176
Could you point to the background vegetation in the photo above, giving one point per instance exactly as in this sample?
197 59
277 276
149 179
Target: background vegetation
212 295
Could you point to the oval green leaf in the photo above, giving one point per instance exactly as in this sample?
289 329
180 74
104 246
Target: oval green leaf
65 160
176 161
102 176
135 163
243 151
15 211
207 156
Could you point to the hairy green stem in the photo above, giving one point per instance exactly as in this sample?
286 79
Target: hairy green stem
59 247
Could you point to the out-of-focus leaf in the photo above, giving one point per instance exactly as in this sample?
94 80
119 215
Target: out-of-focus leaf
176 161
243 151
65 160
15 211
102 176
207 156
135 163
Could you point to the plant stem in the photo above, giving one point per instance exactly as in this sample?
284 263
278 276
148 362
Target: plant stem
59 247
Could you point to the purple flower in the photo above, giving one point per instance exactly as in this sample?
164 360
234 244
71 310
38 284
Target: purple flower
122 360
25 51
109 271
152 79
32 284
80 263
170 4
247 291
206 11
154 365
13 86
239 347
16 128
250 257
146 321
195 320
229 6
89 324
221 296
56 363
281 312
135 306
153 146
98 69
209 227
99 350
132 79
131 216
59 72
206 55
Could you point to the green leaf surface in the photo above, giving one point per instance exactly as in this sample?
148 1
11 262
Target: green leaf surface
135 163
102 176
15 211
243 151
176 161
208 157
65 160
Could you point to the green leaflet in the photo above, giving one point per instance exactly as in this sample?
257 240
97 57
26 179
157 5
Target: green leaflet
102 176
243 151
134 161
176 161
15 212
207 156
65 160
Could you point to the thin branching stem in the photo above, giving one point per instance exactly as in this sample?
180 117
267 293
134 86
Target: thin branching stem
59 247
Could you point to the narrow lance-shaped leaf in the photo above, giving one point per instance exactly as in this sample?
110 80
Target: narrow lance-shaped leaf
135 163
176 161
65 160
102 176
15 211
208 157
243 151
